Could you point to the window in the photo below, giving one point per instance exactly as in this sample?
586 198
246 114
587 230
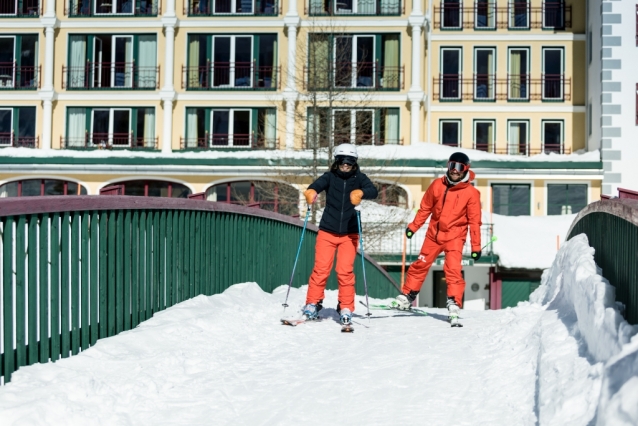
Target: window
108 61
35 187
452 13
511 200
450 132
17 127
232 7
518 77
553 74
450 74
113 7
484 135
485 15
566 199
231 61
552 136
272 196
27 8
357 126
484 74
154 188
18 62
110 128
391 195
519 14
354 61
554 14
230 127
517 137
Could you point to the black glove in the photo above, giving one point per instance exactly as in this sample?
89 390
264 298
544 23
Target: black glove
476 255
408 233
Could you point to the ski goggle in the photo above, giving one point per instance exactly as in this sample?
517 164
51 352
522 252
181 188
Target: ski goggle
459 167
346 159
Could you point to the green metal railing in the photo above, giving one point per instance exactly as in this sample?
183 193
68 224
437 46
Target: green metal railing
611 227
77 269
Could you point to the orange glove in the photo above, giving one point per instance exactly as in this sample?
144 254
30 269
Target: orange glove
311 195
356 196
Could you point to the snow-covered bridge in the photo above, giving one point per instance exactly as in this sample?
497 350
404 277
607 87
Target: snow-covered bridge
567 357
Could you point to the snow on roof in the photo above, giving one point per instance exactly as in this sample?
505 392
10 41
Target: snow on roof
419 151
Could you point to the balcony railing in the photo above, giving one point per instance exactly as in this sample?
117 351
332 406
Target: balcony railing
244 141
11 140
522 149
354 76
551 15
224 8
13 77
338 139
110 76
354 8
516 87
230 76
20 9
109 141
115 8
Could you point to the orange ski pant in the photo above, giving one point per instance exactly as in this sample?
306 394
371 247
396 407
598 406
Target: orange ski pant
452 268
346 248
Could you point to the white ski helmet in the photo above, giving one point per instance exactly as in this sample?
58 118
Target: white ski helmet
346 149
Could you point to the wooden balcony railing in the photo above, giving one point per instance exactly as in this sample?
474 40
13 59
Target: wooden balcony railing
231 76
20 9
225 8
354 8
118 8
516 87
247 141
110 76
354 76
551 15
13 77
109 141
522 149
9 139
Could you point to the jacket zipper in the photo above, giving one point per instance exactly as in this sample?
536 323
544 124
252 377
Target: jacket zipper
343 200
436 237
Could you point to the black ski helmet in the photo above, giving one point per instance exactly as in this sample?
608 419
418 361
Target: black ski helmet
459 157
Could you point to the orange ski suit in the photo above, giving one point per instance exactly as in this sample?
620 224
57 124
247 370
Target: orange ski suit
453 209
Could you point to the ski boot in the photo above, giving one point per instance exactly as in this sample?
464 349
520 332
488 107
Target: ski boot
453 312
311 311
403 302
346 321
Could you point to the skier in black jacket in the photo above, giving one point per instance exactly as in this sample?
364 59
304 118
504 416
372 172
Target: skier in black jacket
345 187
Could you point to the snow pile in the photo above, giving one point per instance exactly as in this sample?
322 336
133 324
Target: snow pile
575 293
429 151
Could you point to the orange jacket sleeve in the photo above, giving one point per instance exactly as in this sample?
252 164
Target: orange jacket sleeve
474 219
427 203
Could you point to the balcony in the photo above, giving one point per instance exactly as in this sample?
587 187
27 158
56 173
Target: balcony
354 8
231 8
552 15
523 149
516 87
11 140
354 76
109 141
110 76
114 8
231 76
13 77
338 139
20 9
223 140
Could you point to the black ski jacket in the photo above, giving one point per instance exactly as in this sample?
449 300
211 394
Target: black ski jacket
339 216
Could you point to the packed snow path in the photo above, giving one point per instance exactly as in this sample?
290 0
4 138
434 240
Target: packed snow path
226 359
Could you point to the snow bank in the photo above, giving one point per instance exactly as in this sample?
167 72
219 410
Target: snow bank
585 303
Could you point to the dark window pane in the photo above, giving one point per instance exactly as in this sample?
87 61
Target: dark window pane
26 122
450 133
180 191
134 188
566 199
511 200
31 187
240 192
552 133
9 189
54 187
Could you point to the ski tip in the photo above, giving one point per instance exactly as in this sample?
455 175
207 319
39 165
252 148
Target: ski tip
456 325
347 329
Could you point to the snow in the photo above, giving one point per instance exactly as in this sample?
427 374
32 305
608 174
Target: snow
565 358
429 151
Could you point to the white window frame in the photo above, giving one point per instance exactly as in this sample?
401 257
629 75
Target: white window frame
511 16
459 73
491 144
353 122
562 67
532 193
15 8
355 8
562 132
233 8
114 37
12 130
546 27
509 69
231 62
13 70
460 12
527 139
114 8
353 77
491 9
110 132
493 82
460 132
231 125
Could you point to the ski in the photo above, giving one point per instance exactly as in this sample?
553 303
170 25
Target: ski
347 328
390 308
295 322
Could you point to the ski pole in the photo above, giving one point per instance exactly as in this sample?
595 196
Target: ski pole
363 262
490 242
305 223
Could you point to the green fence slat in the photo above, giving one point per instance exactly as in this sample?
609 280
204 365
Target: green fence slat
207 278
196 255
44 288
190 254
111 265
162 260
75 283
7 292
169 258
143 267
84 282
156 263
135 269
177 236
119 272
185 257
105 269
55 287
148 292
32 291
20 289
65 274
93 282
126 283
